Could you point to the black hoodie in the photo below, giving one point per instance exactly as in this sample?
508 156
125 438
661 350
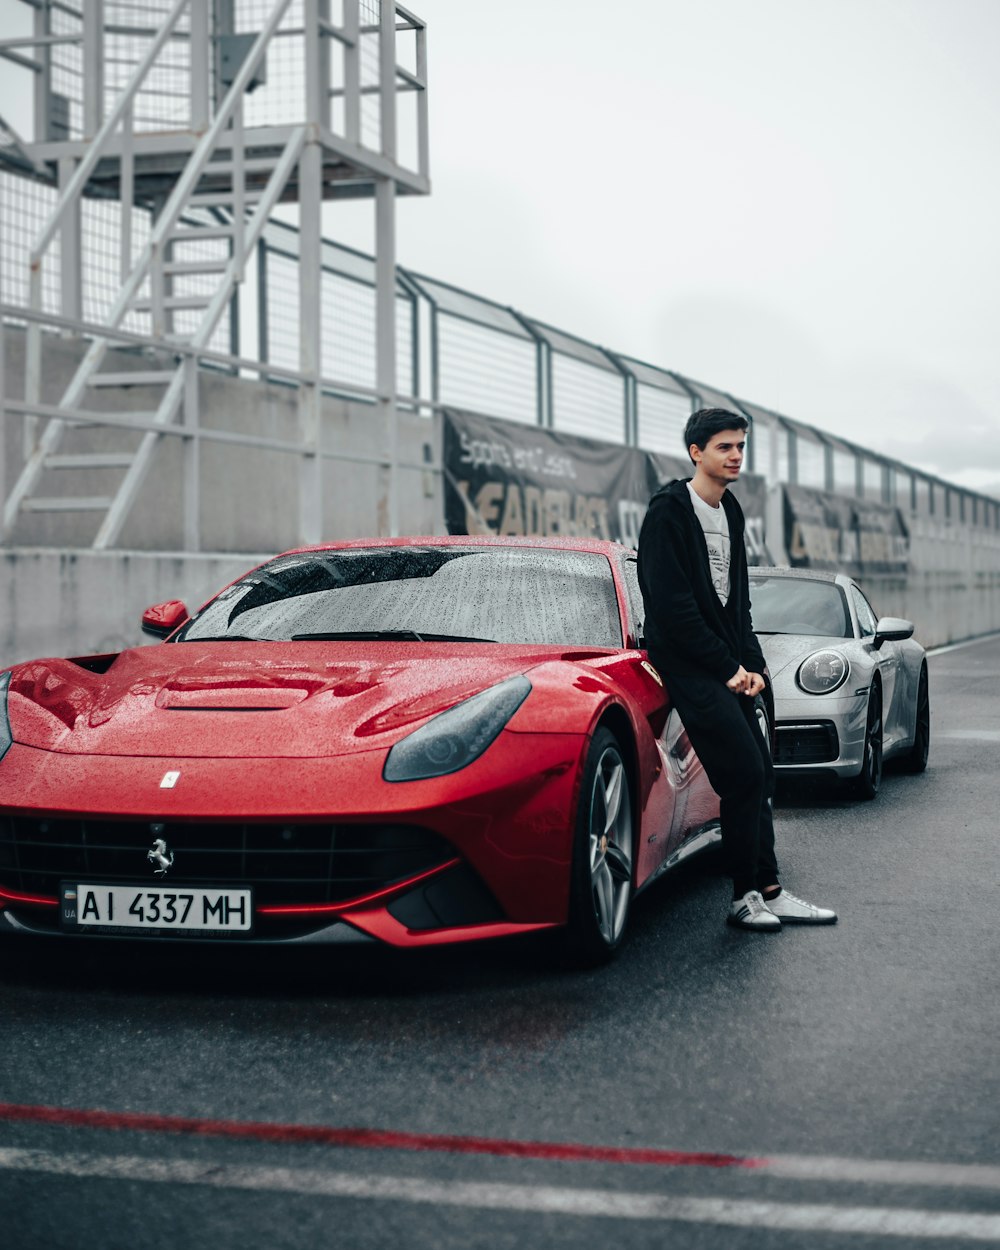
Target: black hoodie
688 630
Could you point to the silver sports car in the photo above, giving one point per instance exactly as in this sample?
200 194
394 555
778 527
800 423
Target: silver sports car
850 689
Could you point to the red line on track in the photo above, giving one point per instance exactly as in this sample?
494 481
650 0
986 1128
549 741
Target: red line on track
368 1138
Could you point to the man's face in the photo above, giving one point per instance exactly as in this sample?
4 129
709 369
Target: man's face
722 457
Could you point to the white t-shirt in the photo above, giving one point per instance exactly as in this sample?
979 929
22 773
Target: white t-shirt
715 524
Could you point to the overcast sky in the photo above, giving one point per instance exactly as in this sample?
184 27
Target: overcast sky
797 201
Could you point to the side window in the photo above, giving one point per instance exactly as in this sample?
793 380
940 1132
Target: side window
866 617
630 568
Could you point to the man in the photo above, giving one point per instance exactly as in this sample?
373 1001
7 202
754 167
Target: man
693 574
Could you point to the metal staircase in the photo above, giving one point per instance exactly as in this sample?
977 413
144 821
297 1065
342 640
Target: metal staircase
219 175
211 186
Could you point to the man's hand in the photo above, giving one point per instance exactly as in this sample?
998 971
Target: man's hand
746 683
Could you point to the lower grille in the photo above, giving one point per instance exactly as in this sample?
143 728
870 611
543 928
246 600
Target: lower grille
814 743
284 863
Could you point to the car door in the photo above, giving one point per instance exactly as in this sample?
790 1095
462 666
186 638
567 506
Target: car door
887 660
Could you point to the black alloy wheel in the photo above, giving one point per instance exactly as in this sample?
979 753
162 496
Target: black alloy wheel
915 760
870 778
601 880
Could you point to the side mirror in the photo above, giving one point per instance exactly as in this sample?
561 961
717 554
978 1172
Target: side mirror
892 629
163 618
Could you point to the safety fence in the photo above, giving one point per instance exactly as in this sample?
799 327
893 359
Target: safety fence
467 352
456 349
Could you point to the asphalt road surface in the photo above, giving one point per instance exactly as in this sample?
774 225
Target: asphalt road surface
828 1087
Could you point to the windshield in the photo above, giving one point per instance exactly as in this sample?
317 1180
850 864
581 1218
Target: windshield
516 595
791 605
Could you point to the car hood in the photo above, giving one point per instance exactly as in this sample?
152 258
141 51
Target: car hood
252 700
782 651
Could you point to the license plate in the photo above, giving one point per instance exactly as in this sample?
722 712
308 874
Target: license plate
116 907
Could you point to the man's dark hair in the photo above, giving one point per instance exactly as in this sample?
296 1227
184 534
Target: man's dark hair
706 423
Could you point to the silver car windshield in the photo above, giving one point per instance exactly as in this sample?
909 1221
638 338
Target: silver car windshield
512 595
791 605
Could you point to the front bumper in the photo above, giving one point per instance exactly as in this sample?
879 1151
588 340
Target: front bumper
820 734
505 824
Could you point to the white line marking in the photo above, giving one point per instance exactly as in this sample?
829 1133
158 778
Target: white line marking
969 642
543 1199
970 735
882 1171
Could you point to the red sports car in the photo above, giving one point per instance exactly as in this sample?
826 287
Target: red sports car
411 741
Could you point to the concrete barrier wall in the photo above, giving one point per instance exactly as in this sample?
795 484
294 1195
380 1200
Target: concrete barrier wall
90 602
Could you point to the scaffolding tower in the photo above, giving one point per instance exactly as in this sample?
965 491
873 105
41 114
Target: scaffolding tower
207 114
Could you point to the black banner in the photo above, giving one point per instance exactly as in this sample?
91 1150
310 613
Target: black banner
854 536
505 478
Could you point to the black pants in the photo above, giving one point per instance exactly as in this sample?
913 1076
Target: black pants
723 730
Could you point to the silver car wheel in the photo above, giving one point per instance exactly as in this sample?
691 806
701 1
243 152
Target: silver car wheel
610 832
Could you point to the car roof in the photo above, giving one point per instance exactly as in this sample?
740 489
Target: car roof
806 575
597 546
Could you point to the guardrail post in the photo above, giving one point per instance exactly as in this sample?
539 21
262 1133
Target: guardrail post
387 77
310 344
352 71
70 249
200 67
385 337
192 456
93 67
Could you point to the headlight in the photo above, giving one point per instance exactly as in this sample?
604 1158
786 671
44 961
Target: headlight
822 672
455 738
6 737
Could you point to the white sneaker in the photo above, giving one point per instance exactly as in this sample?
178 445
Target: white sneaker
792 910
751 912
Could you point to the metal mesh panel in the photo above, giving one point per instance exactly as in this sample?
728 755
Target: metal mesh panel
67 69
586 400
810 459
872 478
24 206
845 476
487 372
349 334
163 100
371 107
760 441
348 311
101 226
281 100
282 310
662 416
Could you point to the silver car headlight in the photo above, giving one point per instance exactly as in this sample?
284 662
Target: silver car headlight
455 738
6 737
822 672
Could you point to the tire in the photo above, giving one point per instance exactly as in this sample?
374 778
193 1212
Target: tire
915 760
602 869
868 780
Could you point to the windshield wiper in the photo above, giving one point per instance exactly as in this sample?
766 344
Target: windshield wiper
360 635
224 638
380 635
